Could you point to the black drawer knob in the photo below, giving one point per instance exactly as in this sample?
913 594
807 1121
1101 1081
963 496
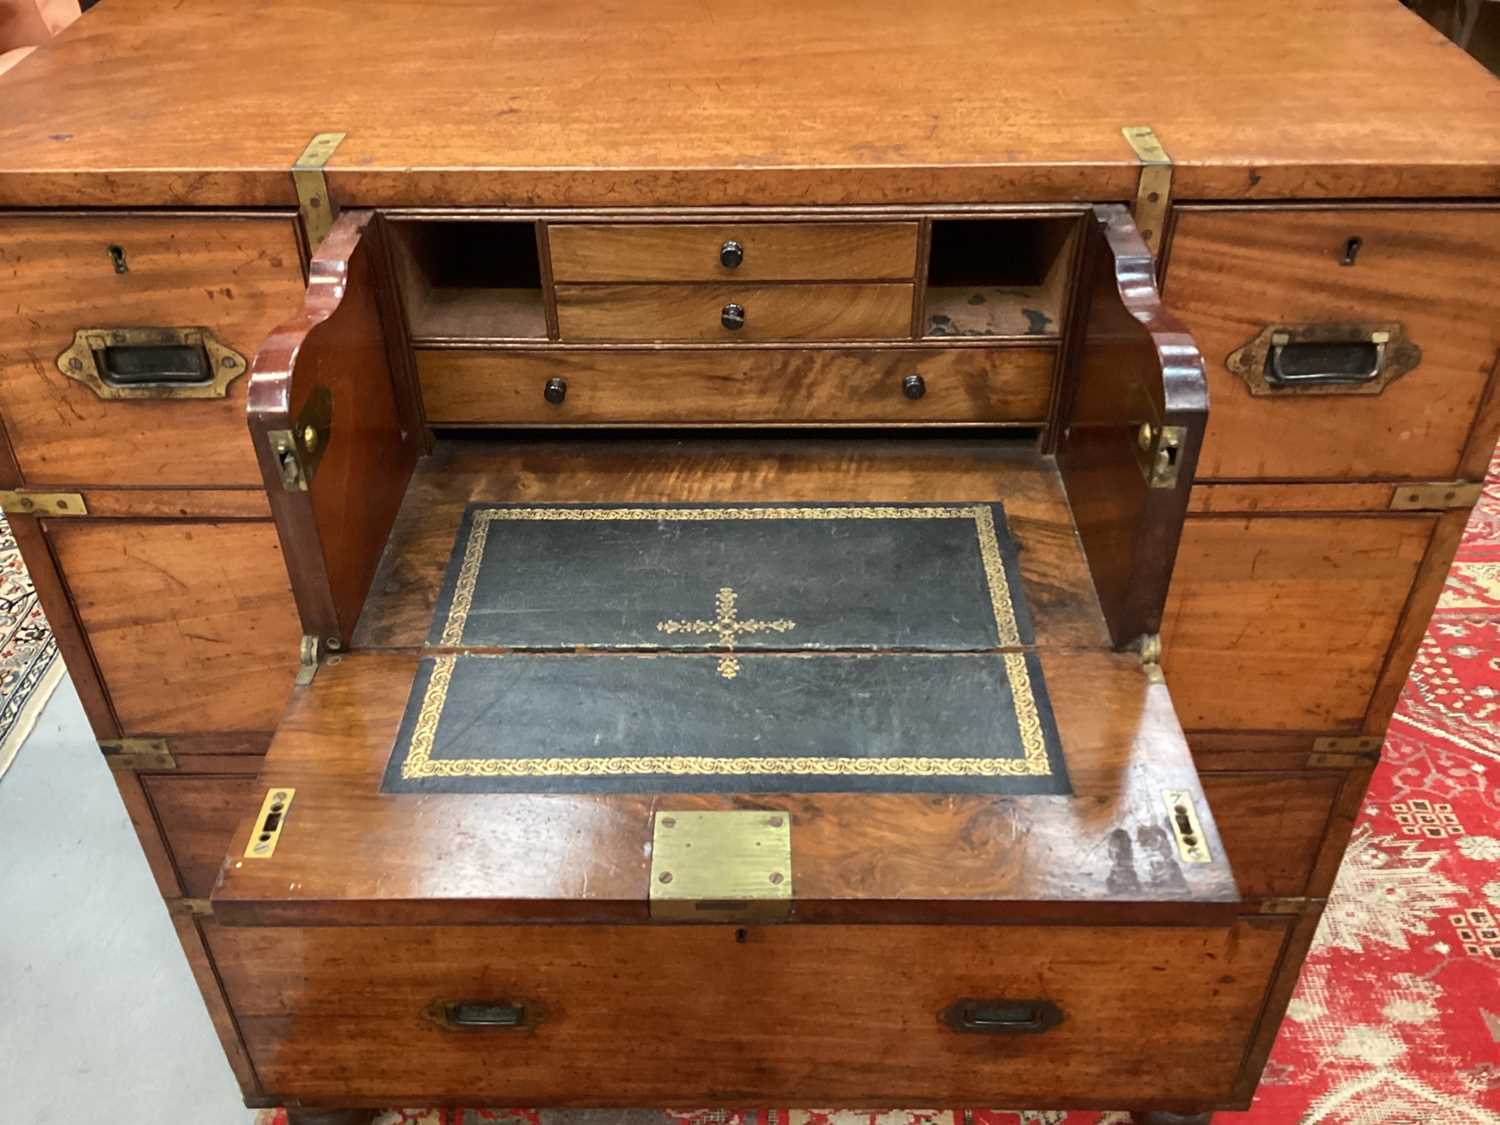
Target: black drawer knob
913 386
731 254
733 317
555 391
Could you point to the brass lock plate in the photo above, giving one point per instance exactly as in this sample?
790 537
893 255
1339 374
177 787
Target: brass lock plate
731 865
299 450
270 822
1186 829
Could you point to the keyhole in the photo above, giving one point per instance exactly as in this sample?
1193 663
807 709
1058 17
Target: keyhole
1351 250
117 257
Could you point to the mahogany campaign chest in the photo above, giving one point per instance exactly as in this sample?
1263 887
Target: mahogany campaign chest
980 480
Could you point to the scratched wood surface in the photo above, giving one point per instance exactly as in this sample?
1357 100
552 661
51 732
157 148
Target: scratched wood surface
675 100
844 1015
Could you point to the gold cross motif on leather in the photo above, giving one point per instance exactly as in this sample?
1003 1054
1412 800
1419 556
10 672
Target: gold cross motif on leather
728 624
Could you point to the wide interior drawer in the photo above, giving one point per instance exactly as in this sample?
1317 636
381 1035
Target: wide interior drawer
733 313
159 398
1340 342
855 1015
766 386
733 251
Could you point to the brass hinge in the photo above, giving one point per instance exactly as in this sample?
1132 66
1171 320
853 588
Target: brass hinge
1186 829
1437 496
1148 646
732 865
299 450
137 754
23 503
1345 752
190 907
1153 191
270 822
318 209
308 655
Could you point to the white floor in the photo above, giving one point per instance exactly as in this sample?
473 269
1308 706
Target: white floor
100 1021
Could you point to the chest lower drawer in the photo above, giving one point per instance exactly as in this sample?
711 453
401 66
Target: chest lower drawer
784 386
733 313
733 251
849 1014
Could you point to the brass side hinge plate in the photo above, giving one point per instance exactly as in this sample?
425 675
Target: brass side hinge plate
23 503
1438 496
1153 192
1345 752
318 210
299 451
268 825
163 362
308 655
190 907
732 865
137 754
1186 829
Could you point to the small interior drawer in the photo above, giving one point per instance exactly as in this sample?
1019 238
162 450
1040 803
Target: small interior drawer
734 313
1340 342
782 386
733 251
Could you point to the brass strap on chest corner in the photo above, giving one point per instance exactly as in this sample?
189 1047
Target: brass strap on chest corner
189 907
137 754
317 208
1153 192
1436 496
20 502
1345 752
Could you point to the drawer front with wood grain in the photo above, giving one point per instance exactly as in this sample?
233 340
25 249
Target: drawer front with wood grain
766 386
733 251
735 313
1287 622
1342 342
1273 824
237 278
191 625
197 814
855 1015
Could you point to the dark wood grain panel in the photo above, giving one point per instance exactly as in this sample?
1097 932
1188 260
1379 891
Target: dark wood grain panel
773 386
771 251
198 814
1234 272
238 276
1273 824
1297 613
780 1014
815 311
191 625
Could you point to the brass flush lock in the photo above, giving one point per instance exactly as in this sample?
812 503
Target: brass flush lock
268 825
1186 829
299 450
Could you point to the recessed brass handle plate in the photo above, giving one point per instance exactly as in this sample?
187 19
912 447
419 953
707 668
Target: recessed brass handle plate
483 1015
1001 1016
151 363
1361 358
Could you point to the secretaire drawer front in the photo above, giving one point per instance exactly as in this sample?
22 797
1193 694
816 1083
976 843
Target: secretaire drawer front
733 251
851 1015
126 340
784 386
1350 342
734 313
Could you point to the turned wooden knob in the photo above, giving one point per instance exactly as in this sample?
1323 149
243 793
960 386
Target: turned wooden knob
733 317
555 391
731 254
913 386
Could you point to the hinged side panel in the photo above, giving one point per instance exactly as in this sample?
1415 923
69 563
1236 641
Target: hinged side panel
1133 415
334 429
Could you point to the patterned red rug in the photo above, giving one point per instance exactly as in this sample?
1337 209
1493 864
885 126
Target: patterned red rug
1397 1017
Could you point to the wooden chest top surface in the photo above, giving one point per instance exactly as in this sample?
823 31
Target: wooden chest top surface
777 103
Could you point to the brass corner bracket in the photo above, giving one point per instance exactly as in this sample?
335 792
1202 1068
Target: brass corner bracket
1153 191
20 502
313 201
137 754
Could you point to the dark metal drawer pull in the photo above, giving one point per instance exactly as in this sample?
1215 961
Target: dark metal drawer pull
151 362
731 254
733 317
1289 359
913 386
555 390
479 1015
1000 1016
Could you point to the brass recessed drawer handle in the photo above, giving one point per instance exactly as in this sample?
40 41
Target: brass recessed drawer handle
122 363
1001 1016
732 317
1286 359
480 1015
